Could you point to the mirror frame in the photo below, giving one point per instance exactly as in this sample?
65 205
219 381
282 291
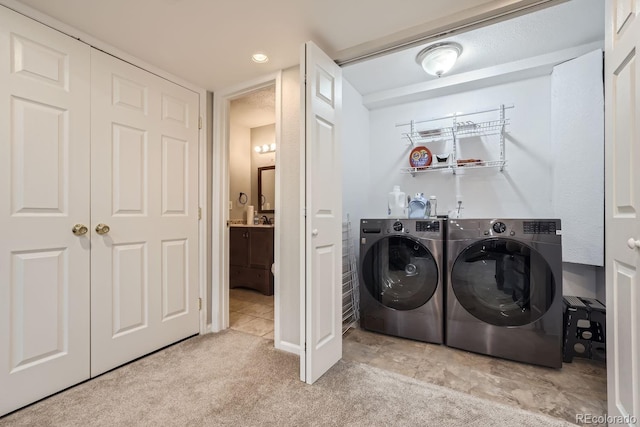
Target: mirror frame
260 170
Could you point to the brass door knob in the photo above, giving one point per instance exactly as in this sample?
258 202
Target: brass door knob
79 229
102 228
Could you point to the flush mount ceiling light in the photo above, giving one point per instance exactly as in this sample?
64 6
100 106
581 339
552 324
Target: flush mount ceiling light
439 58
259 57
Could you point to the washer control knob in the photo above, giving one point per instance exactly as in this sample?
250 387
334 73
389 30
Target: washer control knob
512 233
499 227
397 226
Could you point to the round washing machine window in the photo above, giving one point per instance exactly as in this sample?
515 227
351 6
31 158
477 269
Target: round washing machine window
400 273
503 282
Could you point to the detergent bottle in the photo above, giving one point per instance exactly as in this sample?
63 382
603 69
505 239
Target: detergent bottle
397 203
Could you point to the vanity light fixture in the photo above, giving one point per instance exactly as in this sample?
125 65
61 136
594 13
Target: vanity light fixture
266 148
260 57
439 58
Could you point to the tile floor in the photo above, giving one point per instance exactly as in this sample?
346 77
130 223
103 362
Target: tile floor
251 312
579 387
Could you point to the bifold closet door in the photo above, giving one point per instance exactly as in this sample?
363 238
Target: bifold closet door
144 213
44 193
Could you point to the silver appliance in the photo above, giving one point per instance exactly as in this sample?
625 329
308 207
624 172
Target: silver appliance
504 288
402 277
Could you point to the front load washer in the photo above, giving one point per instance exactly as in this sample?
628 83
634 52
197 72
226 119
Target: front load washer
402 277
504 288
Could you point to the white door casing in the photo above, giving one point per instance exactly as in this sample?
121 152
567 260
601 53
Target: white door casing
44 155
622 203
144 163
322 180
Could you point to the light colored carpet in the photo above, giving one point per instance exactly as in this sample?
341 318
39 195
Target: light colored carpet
232 378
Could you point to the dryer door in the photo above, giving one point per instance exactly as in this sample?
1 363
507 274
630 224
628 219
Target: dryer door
503 282
400 272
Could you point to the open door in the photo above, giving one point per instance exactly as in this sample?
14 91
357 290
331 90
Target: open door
322 195
622 205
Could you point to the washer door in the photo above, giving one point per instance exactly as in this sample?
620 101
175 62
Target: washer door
400 273
503 282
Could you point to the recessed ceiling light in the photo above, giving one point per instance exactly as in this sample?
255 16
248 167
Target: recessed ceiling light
259 57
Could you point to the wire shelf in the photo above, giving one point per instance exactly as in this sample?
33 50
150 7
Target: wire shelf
454 168
492 127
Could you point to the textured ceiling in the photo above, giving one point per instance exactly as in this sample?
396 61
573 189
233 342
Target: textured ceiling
209 42
255 109
555 28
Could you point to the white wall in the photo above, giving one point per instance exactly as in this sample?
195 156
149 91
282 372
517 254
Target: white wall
577 135
288 215
239 168
260 136
355 158
583 280
522 190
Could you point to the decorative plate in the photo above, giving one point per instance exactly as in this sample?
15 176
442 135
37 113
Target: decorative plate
420 157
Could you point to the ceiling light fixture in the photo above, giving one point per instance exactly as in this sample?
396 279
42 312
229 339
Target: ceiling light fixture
439 58
259 57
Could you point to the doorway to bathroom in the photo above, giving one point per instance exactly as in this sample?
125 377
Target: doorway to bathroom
252 206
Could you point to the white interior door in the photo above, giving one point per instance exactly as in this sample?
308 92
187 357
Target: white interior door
622 107
44 188
144 160
322 313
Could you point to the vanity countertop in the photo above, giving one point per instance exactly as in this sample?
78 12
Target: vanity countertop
252 225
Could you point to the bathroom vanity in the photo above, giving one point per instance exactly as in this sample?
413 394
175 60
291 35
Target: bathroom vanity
250 257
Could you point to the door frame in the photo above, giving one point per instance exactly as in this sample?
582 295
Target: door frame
220 199
203 148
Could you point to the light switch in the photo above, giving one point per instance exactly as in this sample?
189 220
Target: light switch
230 205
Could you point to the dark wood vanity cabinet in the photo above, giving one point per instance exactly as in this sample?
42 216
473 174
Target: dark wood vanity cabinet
250 258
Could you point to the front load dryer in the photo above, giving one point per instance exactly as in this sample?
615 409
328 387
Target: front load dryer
504 288
402 277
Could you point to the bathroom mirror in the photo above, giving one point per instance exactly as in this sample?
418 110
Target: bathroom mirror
267 189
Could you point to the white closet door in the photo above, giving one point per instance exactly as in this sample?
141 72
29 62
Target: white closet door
44 192
622 209
144 159
323 227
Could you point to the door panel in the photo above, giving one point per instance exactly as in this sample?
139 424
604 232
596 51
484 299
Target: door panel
622 195
129 171
624 278
175 174
175 281
32 342
323 227
130 288
44 182
144 290
39 145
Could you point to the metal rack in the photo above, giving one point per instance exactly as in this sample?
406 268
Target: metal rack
460 128
350 292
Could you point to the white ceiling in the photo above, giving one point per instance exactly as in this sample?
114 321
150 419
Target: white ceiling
255 109
209 42
577 22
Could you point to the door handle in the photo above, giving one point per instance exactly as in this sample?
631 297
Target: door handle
632 243
102 228
79 229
